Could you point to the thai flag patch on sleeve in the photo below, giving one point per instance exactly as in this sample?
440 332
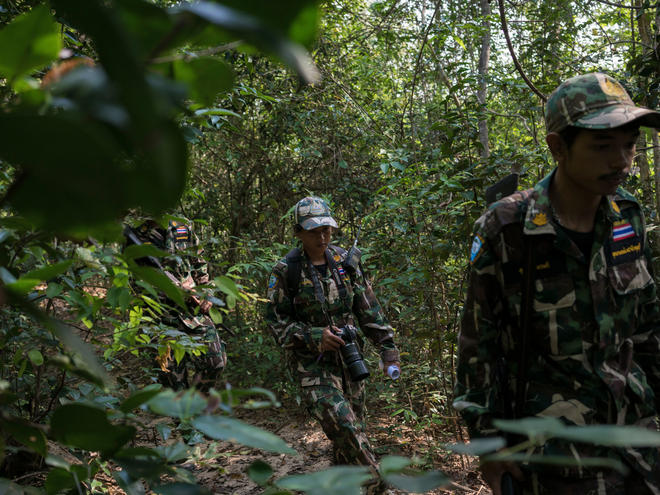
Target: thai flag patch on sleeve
622 230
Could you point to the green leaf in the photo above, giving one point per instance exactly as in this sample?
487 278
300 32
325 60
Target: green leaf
233 430
215 315
35 357
29 42
346 480
478 446
9 488
260 472
534 428
421 483
51 271
173 453
59 480
140 397
177 405
226 285
217 111
27 434
393 464
86 427
206 77
161 281
384 167
611 435
253 30
136 251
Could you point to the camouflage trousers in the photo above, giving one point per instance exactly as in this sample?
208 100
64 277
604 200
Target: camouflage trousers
203 371
338 404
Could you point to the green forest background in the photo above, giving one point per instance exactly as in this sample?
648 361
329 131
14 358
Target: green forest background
399 112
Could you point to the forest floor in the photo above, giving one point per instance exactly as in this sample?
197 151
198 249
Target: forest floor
227 473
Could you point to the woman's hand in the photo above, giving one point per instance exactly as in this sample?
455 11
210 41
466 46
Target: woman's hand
330 341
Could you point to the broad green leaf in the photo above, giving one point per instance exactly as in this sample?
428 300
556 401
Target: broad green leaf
35 357
141 463
611 435
478 446
140 397
215 315
534 428
393 464
26 433
233 430
346 480
217 111
23 285
136 251
86 427
59 480
207 78
180 488
253 30
47 272
420 483
226 285
260 472
29 42
173 453
177 405
9 488
159 280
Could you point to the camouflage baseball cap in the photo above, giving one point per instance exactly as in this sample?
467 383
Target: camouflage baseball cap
594 101
312 212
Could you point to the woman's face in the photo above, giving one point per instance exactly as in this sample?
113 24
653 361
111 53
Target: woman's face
315 241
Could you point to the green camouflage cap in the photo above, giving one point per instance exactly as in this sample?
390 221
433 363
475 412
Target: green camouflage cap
312 212
594 101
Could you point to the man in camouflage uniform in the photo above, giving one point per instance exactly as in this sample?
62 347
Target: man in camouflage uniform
593 331
295 315
186 269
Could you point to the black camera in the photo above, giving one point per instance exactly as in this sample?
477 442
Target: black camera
350 353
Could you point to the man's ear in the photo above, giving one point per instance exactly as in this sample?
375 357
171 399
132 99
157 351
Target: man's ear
557 146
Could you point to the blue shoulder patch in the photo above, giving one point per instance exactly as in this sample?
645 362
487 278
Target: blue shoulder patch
477 246
272 281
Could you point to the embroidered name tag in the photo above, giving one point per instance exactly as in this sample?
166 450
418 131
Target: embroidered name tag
625 244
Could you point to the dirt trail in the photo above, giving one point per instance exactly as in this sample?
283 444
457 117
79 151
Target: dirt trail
227 474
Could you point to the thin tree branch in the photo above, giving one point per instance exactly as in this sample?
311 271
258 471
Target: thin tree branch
519 68
622 6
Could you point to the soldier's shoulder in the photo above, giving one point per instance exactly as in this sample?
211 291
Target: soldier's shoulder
623 200
508 210
339 253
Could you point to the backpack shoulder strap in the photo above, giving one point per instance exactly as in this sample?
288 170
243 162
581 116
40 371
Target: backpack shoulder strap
294 267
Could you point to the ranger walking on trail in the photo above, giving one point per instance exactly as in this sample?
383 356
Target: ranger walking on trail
561 317
186 269
319 306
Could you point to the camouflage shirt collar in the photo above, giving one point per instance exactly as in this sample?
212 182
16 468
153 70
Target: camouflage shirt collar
540 220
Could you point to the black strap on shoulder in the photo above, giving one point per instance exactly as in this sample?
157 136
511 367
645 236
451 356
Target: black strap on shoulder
294 267
526 308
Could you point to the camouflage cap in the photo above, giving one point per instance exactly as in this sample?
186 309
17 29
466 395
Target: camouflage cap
594 101
312 212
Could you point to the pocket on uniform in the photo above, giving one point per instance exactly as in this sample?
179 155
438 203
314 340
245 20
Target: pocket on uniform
554 293
629 277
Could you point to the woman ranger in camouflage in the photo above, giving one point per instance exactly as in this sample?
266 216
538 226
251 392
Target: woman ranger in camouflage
316 301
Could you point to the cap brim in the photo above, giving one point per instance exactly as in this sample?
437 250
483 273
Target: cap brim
615 116
312 223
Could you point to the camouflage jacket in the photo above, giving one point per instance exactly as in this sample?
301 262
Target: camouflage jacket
185 262
594 336
298 325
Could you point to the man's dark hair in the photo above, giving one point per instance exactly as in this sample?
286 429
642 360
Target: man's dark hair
297 228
